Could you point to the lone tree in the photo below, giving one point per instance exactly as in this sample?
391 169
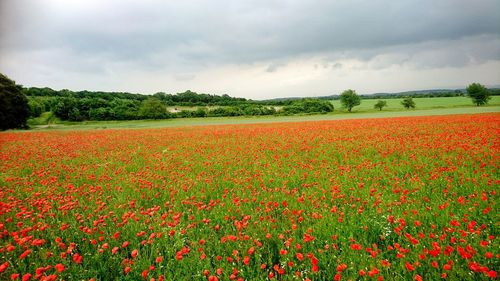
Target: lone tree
349 99
478 93
14 109
408 103
380 104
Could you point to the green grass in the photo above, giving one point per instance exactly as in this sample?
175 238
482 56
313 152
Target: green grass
424 106
45 119
421 103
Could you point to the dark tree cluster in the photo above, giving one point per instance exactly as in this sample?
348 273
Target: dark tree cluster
14 109
85 105
73 109
187 98
48 92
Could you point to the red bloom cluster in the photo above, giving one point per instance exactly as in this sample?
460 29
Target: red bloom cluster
380 199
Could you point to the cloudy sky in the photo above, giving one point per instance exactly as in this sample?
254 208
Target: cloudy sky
254 49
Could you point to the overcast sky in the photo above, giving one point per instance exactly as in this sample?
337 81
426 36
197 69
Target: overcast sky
253 49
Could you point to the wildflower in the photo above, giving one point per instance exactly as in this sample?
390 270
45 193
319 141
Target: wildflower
77 258
59 267
134 253
24 254
4 266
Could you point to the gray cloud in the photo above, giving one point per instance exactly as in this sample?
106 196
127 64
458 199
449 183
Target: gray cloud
239 30
189 36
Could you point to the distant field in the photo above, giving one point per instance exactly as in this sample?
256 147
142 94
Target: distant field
421 103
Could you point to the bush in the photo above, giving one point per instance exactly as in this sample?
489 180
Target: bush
308 106
225 111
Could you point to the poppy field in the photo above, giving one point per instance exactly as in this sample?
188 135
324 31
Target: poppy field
411 198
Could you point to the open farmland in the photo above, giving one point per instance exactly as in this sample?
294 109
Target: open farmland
366 199
421 103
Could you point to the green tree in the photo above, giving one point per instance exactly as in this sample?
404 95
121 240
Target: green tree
380 104
153 108
408 103
14 109
125 109
35 108
63 108
478 93
75 115
349 99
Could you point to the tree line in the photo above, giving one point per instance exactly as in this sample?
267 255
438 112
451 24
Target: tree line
71 108
18 103
187 98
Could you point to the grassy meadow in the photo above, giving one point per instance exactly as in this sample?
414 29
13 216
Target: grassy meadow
421 103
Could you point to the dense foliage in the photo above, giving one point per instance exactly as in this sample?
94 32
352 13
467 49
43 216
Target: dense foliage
373 199
308 106
14 109
190 98
85 105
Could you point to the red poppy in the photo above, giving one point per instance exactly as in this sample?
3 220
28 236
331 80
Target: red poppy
59 267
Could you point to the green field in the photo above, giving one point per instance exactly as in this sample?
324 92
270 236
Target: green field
424 106
421 103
